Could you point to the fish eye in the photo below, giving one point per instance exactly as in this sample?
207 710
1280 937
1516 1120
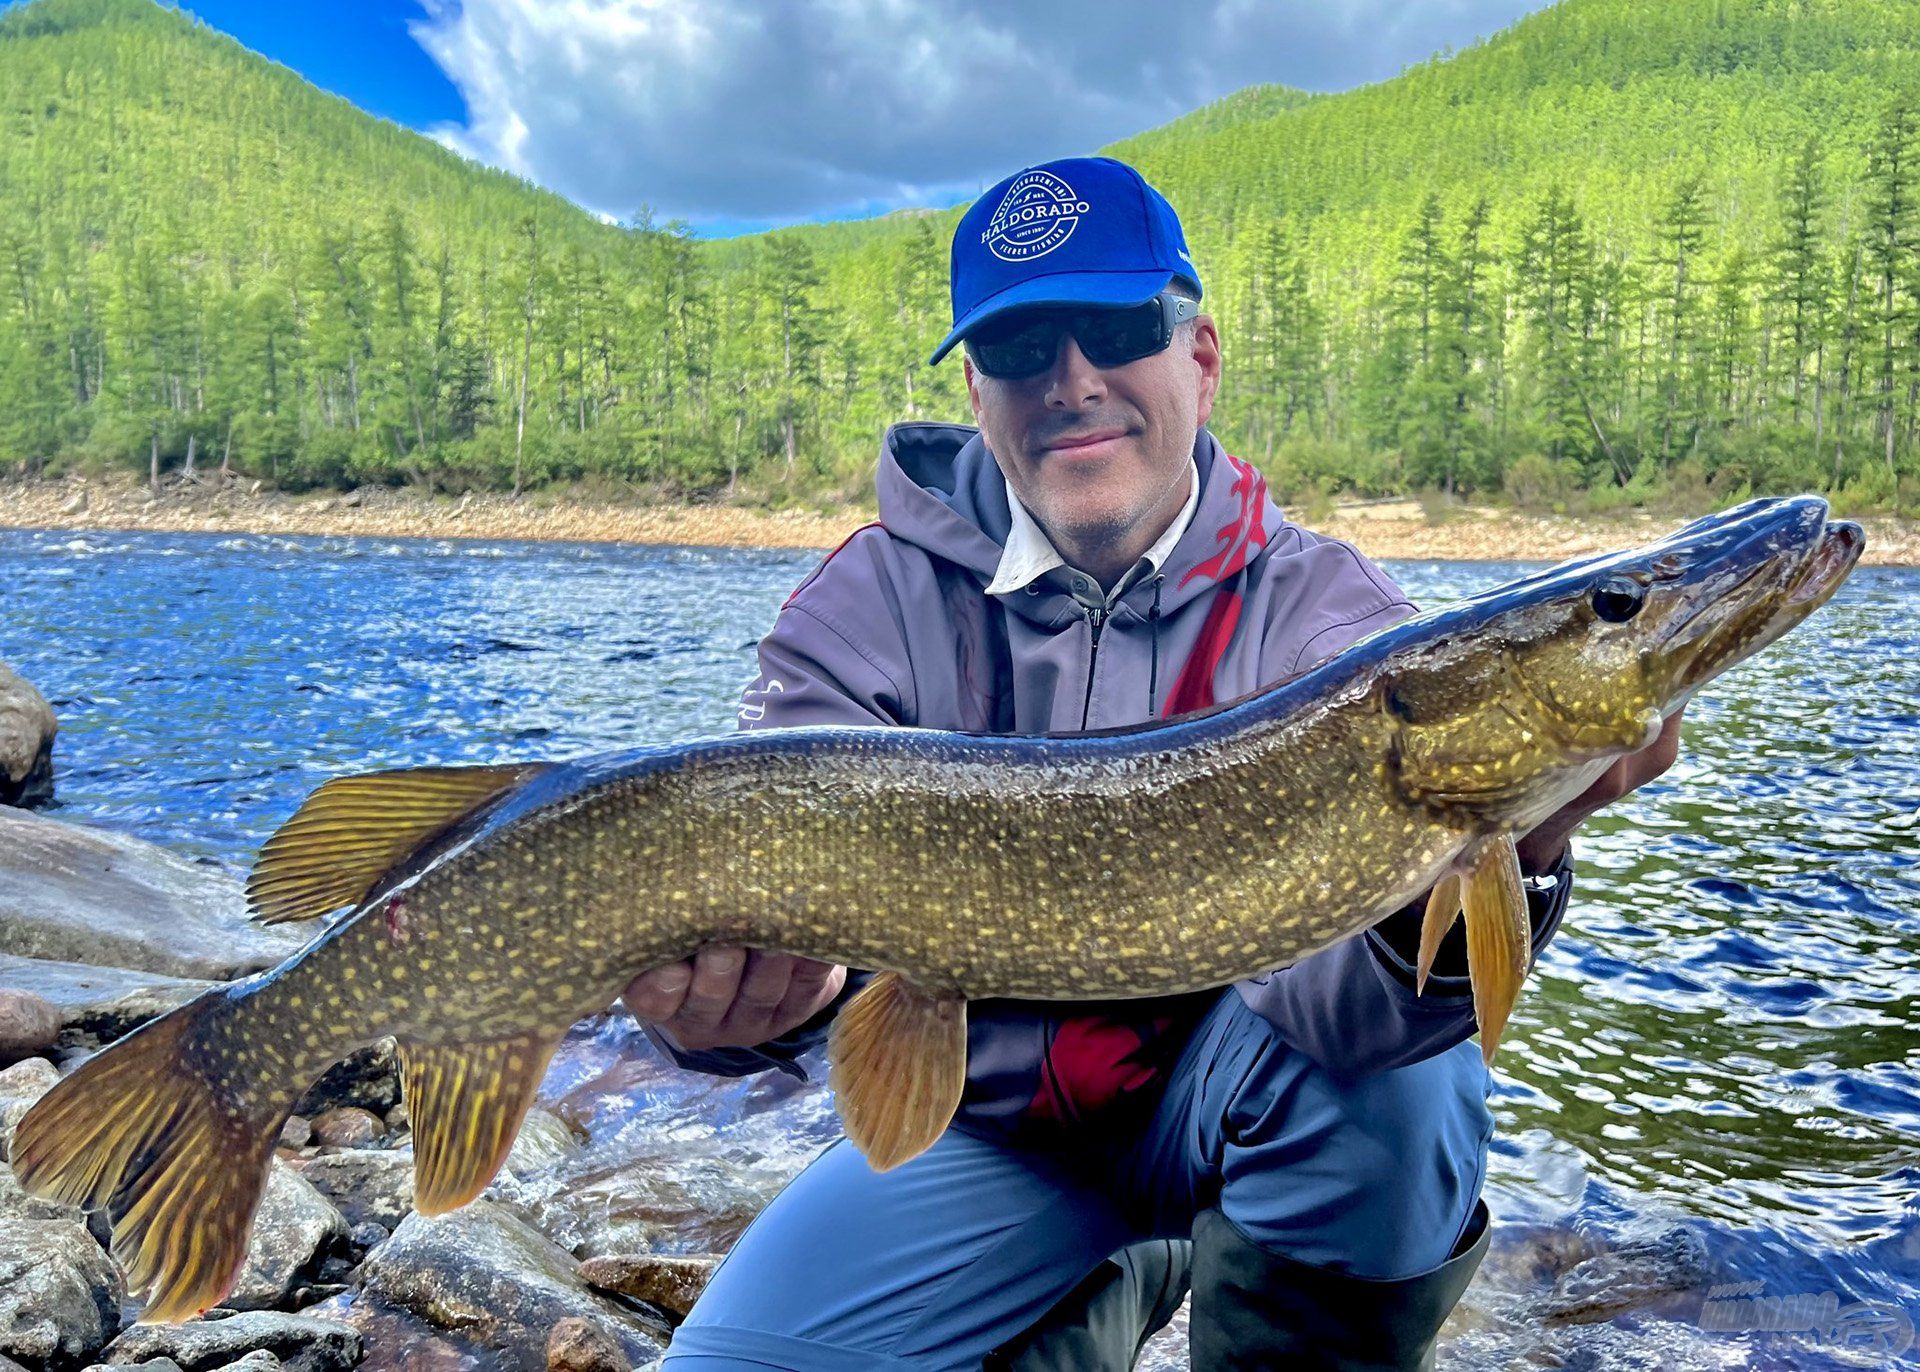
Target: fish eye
1618 599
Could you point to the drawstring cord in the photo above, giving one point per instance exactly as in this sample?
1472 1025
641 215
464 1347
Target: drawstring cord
1153 623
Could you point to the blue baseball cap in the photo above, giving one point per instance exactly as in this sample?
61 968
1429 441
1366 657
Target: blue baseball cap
1080 231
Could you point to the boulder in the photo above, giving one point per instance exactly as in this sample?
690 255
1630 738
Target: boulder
27 729
59 1292
301 1343
294 1232
673 1284
101 1003
77 894
486 1272
29 1024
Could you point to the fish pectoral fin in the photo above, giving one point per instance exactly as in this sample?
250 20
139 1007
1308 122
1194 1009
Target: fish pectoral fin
465 1103
351 831
1499 937
1443 907
899 1062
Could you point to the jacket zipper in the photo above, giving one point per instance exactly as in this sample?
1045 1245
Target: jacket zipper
1096 619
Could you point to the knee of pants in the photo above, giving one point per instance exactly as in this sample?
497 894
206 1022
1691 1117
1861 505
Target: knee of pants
1374 1177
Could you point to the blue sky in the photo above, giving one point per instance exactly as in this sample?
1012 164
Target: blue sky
745 114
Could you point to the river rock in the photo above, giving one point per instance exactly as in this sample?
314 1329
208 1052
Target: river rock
260 1360
369 1079
27 730
544 1140
1635 1276
579 1345
297 1132
295 1231
20 1086
28 1024
673 1284
77 504
59 1292
150 1365
365 1185
484 1271
100 1003
300 1342
346 1126
77 894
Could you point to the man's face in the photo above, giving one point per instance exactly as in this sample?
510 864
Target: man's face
1093 452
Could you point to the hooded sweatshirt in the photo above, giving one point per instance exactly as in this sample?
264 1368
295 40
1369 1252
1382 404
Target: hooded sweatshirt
897 626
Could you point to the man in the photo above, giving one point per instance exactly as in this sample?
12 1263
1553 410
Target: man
1092 557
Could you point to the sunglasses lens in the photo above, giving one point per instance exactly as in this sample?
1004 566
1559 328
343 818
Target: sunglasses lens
1112 338
1023 345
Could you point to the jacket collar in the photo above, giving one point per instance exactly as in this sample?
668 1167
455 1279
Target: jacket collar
939 488
1029 554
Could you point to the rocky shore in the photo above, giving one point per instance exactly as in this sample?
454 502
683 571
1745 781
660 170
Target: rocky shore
1384 529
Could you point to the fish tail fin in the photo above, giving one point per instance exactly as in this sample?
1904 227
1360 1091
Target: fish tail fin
465 1102
899 1064
178 1160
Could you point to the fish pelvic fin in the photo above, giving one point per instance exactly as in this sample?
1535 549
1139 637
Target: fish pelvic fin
465 1103
1443 907
353 829
178 1159
899 1057
1499 937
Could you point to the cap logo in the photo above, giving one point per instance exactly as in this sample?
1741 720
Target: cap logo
1037 215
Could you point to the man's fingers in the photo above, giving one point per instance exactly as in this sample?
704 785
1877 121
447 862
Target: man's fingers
715 984
812 986
659 992
763 985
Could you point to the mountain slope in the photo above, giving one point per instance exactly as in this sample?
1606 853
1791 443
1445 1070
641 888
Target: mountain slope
200 253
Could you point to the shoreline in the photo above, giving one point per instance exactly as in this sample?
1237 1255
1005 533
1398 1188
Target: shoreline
1383 529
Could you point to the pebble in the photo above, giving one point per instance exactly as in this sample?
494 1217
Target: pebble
297 1132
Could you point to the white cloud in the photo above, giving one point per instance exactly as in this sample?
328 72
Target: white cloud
790 109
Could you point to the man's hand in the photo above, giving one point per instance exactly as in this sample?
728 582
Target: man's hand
733 997
1541 849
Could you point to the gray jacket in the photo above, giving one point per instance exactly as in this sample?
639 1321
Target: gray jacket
895 627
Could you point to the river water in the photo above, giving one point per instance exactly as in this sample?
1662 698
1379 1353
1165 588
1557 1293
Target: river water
1721 1050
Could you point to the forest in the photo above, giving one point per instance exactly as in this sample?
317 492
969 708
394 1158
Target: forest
1624 253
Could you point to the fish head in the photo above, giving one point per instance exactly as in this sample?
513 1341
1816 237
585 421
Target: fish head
1513 702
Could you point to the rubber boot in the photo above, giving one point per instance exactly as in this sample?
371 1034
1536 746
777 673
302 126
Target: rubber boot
1101 1324
1256 1310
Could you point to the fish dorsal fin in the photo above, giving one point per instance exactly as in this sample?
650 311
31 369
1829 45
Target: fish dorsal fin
465 1102
899 1062
353 829
1499 936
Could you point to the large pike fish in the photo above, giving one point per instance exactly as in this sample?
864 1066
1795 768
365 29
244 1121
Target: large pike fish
495 906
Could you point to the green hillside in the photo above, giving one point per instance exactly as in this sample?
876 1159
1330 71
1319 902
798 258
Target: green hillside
1623 251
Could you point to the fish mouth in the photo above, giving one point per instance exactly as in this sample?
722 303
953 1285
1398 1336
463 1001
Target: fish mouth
1741 580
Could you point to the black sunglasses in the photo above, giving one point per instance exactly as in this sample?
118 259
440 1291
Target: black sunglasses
1024 343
